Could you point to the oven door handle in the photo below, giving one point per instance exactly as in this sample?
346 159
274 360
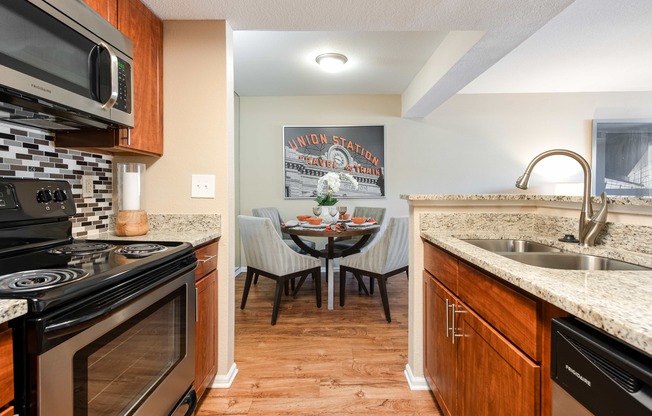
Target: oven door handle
78 324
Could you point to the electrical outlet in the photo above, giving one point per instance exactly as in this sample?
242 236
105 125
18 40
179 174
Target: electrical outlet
87 186
203 186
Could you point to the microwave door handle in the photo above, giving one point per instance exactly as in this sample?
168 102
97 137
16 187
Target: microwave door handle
114 76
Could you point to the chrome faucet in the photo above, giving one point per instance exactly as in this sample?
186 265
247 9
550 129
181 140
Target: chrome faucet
590 225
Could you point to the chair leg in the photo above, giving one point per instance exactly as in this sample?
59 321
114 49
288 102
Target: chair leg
316 275
343 285
245 293
361 284
256 279
277 299
382 285
371 285
286 286
296 289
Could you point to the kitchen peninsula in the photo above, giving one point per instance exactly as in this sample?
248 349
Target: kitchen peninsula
615 301
502 296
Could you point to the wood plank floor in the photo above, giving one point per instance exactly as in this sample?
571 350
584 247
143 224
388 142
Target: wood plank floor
348 361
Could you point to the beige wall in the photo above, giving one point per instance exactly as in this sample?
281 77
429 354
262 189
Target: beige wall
198 128
261 144
471 144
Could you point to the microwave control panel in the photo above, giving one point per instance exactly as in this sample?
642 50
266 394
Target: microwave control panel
123 102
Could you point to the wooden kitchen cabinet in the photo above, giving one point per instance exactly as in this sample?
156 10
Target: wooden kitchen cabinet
206 325
472 367
441 353
495 377
145 30
6 371
108 9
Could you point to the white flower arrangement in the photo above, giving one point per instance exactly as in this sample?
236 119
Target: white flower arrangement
329 184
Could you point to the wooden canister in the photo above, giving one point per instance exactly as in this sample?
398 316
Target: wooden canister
131 222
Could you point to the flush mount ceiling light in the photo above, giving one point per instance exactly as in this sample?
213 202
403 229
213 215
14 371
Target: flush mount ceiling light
331 62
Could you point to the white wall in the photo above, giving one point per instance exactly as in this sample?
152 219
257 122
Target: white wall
471 144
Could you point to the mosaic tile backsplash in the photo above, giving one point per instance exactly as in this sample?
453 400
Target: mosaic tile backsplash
30 153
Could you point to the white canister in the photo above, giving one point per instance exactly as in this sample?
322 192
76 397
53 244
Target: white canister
131 185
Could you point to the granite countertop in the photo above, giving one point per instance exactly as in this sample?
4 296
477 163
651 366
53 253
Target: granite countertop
521 198
192 228
12 308
619 302
193 237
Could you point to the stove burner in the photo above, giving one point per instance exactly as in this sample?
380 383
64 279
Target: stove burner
82 249
140 250
40 279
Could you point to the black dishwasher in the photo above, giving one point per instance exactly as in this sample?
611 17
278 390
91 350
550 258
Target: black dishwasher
593 373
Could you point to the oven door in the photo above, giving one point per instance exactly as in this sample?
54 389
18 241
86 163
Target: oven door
138 360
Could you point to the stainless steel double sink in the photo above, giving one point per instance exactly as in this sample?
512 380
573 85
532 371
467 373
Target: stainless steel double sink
542 255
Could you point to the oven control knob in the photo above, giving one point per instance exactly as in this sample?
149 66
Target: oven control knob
44 196
60 195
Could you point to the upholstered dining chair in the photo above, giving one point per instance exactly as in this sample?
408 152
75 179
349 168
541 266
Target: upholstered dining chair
277 221
342 243
267 255
273 214
384 258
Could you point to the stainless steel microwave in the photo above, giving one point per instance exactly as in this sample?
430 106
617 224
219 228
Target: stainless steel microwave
63 67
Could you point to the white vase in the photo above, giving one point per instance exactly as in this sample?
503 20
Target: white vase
327 217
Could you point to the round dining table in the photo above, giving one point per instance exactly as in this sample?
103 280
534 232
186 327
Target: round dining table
329 252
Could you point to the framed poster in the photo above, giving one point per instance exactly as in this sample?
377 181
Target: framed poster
310 152
622 157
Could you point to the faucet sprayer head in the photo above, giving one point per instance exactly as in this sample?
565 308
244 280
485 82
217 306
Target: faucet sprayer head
522 181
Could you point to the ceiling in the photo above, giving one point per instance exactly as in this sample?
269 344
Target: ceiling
429 50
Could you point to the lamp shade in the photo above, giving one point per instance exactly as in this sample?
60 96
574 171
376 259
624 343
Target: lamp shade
331 62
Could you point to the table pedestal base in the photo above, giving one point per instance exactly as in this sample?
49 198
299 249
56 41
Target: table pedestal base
330 278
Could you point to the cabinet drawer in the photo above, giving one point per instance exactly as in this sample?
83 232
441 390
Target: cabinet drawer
441 265
510 312
206 259
6 368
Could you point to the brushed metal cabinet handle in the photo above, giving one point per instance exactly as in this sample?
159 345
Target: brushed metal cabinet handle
453 322
209 258
447 327
196 305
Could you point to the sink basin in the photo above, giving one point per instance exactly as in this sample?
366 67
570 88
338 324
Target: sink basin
541 255
572 261
511 246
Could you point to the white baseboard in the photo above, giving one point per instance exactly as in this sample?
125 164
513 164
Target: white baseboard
416 383
225 381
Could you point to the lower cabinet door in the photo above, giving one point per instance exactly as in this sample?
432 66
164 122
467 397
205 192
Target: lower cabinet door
206 330
495 378
440 357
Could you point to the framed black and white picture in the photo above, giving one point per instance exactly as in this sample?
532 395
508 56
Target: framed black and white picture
622 157
310 152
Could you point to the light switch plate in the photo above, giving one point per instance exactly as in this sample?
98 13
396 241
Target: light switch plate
87 186
203 186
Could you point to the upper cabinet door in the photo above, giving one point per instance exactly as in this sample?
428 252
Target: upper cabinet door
108 9
145 30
